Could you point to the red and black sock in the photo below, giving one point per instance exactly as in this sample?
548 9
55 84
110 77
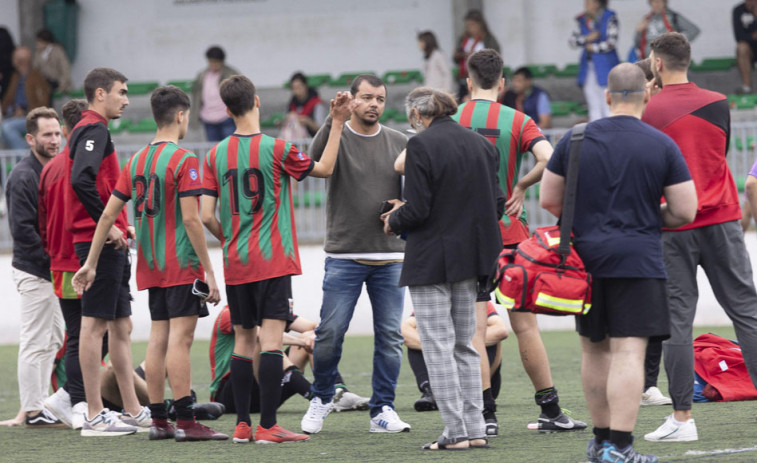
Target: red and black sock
269 376
241 382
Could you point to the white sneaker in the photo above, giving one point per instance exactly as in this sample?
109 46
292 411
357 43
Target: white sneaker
78 415
142 421
106 423
672 432
653 396
388 421
59 404
346 400
312 422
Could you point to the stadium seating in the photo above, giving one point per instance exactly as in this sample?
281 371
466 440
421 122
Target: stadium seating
562 108
118 125
146 125
272 121
314 80
570 70
185 85
387 115
739 144
403 77
142 88
714 64
542 70
308 199
345 80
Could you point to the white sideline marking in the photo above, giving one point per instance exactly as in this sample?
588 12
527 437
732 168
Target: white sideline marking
705 453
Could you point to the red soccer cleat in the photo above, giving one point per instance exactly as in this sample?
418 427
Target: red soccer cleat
242 433
198 432
277 435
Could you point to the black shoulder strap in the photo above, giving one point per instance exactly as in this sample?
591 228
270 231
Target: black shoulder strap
571 182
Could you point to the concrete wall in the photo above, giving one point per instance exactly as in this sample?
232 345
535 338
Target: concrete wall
9 18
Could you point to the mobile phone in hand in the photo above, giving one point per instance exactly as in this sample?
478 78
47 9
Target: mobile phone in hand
386 206
201 289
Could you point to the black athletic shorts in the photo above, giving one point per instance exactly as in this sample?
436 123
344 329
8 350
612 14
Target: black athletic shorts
626 307
250 303
109 296
174 302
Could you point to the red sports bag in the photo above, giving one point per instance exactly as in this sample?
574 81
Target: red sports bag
544 274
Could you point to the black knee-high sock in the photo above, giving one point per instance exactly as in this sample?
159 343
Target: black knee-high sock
241 382
496 381
269 376
418 365
184 409
549 402
652 363
294 383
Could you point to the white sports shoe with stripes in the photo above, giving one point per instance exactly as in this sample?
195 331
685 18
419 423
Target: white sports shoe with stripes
388 421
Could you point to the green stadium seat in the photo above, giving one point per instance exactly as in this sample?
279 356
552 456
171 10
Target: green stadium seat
145 125
387 115
542 70
740 182
714 64
141 88
739 144
570 70
580 110
400 116
507 72
308 199
562 108
76 93
403 77
118 125
272 121
455 72
346 79
745 102
314 80
185 85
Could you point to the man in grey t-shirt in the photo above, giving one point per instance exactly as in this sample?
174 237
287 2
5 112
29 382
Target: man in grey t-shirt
357 253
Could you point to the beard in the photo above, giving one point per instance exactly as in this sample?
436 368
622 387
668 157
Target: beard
43 153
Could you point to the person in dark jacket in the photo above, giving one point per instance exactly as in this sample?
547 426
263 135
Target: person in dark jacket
41 321
453 203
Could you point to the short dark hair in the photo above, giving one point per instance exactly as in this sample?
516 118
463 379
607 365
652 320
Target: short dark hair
428 39
603 3
374 81
478 16
42 112
215 52
299 76
46 35
103 78
525 72
646 67
71 112
238 94
485 68
165 102
674 49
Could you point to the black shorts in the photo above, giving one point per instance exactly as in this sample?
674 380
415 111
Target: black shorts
250 303
753 46
626 307
109 296
174 302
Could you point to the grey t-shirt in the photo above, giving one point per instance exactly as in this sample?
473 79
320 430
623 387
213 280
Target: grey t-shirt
363 177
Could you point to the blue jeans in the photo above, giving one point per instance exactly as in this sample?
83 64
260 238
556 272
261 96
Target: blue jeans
219 131
14 133
342 285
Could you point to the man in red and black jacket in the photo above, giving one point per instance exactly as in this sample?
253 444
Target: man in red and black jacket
92 170
699 121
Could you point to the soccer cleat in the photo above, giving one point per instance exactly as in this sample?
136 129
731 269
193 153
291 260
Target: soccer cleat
346 400
388 421
560 423
492 426
198 432
610 453
669 431
427 402
161 429
594 451
277 435
43 419
59 404
78 415
653 396
242 433
142 421
312 422
106 423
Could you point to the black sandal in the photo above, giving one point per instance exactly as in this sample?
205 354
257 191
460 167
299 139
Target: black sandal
485 445
443 442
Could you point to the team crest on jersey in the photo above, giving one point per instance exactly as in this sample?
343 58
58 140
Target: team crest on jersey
193 174
300 156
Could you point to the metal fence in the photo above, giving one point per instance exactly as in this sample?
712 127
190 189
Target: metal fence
309 196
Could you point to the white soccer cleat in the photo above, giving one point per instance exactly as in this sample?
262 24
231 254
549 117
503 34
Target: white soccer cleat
388 421
312 422
653 396
672 432
59 404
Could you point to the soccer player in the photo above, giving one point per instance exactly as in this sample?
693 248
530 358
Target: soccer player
164 182
250 174
92 170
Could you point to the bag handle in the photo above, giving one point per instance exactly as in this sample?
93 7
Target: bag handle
571 182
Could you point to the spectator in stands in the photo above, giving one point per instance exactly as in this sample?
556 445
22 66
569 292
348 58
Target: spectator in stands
745 31
714 241
41 321
27 90
597 35
307 112
436 71
526 97
50 59
206 96
655 23
6 60
475 37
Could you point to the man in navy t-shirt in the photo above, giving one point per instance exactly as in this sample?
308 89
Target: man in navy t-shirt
626 167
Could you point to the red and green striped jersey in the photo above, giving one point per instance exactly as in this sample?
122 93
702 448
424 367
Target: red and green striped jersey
513 134
250 175
155 178
221 348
